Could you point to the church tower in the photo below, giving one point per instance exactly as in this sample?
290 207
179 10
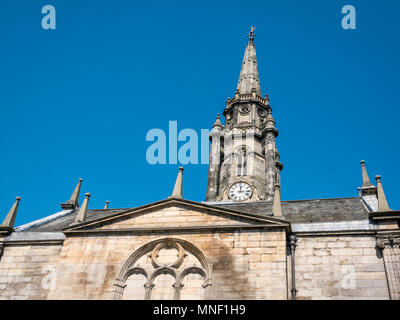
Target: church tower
244 160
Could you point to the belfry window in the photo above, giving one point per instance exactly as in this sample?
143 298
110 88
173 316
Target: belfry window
242 162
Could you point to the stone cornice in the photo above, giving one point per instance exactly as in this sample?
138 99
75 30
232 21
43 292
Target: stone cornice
34 238
386 215
244 98
360 232
177 229
34 242
5 231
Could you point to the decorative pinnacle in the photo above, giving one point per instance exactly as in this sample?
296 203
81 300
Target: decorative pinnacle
365 178
270 121
9 221
217 122
382 202
73 202
277 208
177 192
83 211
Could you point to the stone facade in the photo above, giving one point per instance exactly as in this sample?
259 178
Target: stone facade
27 270
178 249
231 257
340 267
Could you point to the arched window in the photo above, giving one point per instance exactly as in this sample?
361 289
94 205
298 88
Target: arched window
164 269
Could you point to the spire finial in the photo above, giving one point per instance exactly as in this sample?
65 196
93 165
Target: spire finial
217 122
9 221
177 193
382 202
83 211
106 206
277 208
365 178
252 34
73 202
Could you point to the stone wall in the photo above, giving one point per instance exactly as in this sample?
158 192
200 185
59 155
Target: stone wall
340 267
243 265
26 271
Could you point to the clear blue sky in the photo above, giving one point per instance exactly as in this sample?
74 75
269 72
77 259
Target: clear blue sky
78 101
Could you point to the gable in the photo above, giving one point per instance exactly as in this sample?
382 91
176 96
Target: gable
175 216
174 213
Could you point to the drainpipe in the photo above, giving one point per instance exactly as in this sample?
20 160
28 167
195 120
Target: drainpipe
292 243
1 249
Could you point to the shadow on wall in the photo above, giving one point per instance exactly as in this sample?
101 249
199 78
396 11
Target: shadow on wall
229 276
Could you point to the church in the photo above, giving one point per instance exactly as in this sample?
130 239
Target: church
242 242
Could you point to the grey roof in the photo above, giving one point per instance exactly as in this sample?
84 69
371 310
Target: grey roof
65 220
298 211
308 211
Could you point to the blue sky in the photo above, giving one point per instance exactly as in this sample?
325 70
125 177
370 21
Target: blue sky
78 101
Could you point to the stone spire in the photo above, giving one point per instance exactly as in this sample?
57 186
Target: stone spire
382 202
9 221
277 208
177 193
365 178
82 214
249 126
106 206
249 78
73 202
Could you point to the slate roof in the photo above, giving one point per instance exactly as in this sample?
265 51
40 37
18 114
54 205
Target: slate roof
65 220
308 211
297 211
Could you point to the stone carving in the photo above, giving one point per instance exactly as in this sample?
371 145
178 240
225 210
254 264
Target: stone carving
176 268
382 243
167 244
261 112
244 110
390 247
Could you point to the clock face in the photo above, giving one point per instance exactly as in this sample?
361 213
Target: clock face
240 191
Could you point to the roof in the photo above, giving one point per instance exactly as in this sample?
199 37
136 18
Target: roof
298 211
309 211
62 221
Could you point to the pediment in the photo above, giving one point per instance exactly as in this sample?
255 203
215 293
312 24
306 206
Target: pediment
175 213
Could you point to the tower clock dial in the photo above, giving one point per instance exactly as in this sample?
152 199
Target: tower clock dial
240 191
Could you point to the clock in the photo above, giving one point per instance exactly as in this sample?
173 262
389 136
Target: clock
240 191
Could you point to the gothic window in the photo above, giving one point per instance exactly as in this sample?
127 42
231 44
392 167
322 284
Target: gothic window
241 159
164 269
135 285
